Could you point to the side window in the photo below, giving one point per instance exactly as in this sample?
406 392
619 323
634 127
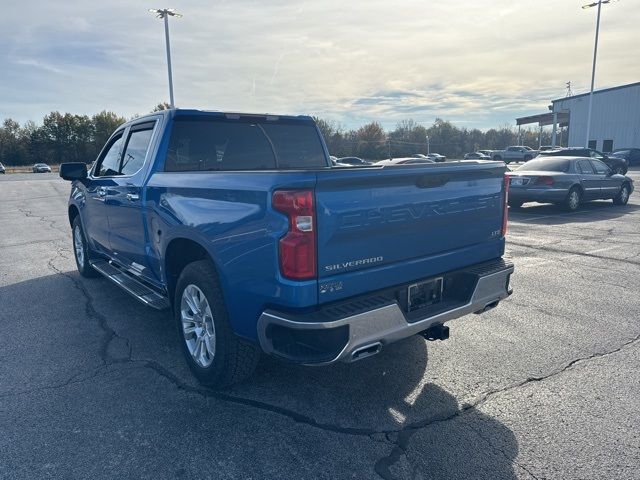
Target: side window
109 164
607 146
601 168
584 166
136 149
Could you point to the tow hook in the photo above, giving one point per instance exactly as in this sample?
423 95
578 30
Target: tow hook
436 332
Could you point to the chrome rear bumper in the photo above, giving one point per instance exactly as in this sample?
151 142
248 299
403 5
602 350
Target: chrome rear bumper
370 330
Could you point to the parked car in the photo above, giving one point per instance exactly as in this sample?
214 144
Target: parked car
514 154
354 161
406 161
436 157
239 225
41 168
567 181
488 153
2 169
618 165
476 156
631 155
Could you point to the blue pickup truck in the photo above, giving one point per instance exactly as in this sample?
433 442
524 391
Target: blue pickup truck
240 226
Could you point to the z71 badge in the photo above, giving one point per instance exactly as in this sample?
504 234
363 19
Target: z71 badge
330 287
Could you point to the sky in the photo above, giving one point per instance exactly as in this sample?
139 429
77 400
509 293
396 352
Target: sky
478 64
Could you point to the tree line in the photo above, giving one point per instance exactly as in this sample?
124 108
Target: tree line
79 138
372 142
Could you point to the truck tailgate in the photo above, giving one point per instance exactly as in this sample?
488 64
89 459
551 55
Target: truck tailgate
379 227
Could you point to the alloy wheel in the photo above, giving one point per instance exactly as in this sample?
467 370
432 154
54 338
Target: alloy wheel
197 326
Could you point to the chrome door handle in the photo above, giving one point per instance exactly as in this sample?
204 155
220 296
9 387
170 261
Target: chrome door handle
132 197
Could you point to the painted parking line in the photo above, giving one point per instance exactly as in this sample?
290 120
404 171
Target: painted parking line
602 249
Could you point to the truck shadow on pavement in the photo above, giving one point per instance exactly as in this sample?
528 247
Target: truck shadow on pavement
391 398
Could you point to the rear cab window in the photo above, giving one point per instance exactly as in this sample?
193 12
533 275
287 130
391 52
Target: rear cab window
203 143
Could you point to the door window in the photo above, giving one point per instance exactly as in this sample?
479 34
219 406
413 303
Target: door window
601 168
109 164
584 166
136 149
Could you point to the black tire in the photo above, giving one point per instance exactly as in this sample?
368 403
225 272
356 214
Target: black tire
527 158
497 157
514 204
82 261
234 359
623 195
573 200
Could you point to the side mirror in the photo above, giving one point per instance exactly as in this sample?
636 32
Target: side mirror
73 171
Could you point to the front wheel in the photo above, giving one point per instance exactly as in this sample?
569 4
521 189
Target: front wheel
623 196
81 250
573 200
216 356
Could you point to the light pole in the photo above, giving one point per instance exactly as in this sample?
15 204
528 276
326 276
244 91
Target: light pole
593 70
428 145
165 13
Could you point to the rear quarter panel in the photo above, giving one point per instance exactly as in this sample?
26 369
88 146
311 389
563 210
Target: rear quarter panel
230 215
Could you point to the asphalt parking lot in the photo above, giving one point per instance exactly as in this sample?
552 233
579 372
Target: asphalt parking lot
547 385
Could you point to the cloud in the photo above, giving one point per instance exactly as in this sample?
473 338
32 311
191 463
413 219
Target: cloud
477 63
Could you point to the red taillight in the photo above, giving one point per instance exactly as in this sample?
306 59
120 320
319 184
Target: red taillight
505 213
545 181
298 246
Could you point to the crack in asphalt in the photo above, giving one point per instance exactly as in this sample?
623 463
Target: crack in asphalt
383 465
51 222
109 334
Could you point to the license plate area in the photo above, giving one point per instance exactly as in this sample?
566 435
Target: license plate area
424 294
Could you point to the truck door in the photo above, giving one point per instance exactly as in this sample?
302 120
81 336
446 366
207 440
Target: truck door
127 237
94 215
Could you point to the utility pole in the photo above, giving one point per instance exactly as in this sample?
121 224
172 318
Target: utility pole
593 69
164 14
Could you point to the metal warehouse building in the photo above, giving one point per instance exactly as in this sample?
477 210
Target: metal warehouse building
615 118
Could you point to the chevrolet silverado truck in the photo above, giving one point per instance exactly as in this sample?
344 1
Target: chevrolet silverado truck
239 225
514 154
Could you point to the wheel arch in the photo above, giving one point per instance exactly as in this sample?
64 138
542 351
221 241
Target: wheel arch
179 253
73 212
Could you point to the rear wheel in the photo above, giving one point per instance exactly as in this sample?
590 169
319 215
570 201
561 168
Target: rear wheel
81 249
497 157
573 200
216 356
527 158
623 195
